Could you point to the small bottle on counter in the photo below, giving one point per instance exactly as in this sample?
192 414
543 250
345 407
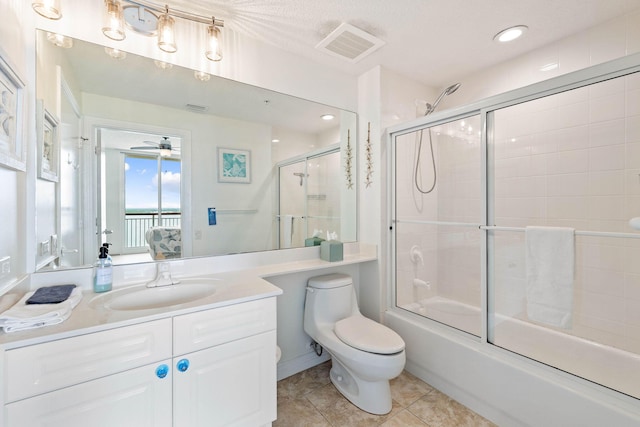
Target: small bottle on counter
102 271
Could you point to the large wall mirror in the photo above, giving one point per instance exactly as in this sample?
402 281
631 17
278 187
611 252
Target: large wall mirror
163 162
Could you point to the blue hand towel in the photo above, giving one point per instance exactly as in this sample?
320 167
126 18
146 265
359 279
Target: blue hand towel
51 294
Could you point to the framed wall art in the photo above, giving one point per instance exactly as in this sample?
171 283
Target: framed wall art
234 165
48 143
13 149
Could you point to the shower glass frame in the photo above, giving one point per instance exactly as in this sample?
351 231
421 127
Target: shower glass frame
485 108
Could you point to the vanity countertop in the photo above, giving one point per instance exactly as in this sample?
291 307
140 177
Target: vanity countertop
237 286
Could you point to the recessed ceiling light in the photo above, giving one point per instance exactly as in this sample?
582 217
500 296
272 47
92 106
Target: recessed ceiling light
275 140
510 33
327 117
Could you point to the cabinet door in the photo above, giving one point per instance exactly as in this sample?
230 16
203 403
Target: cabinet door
135 398
231 385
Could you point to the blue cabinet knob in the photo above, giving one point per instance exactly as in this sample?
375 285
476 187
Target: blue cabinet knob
162 371
182 365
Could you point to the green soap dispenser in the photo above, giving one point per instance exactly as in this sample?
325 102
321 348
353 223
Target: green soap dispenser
103 271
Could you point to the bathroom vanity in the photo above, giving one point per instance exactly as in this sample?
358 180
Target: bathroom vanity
207 365
126 358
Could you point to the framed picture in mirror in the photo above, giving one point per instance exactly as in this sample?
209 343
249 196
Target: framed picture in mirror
234 165
12 146
48 143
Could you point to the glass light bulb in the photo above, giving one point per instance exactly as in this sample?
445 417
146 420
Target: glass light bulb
213 53
50 9
113 20
166 34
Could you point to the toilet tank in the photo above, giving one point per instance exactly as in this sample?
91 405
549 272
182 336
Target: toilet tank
329 299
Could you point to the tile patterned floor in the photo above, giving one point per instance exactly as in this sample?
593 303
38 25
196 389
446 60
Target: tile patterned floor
308 399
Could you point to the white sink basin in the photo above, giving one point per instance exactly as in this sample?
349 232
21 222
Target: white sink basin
139 297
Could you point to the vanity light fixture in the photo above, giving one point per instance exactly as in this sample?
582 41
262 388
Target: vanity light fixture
510 33
202 76
115 53
148 19
60 40
162 64
166 32
50 9
327 117
113 20
213 52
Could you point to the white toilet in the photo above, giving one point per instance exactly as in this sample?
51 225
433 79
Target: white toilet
365 355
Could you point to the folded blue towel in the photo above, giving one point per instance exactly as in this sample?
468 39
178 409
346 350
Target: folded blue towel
51 294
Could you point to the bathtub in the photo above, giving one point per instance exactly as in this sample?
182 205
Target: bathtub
608 366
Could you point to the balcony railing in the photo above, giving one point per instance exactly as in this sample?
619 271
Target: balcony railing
137 224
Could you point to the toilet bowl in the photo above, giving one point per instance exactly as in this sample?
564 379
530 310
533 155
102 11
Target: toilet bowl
365 355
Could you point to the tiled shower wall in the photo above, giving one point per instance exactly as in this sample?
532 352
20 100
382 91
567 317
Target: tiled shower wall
573 160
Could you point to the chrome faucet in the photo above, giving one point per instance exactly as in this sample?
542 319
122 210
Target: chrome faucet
163 276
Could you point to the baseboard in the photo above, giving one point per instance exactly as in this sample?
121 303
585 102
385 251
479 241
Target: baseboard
291 367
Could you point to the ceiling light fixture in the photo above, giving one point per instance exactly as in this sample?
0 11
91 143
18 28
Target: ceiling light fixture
510 33
327 117
50 9
60 40
113 20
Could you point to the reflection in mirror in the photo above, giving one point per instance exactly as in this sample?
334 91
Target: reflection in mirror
164 165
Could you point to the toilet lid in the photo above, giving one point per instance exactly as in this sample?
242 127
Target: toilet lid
367 335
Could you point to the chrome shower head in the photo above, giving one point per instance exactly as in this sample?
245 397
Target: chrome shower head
448 91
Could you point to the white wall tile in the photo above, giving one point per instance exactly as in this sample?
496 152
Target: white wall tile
606 183
608 41
568 162
607 133
567 207
606 207
576 184
633 33
607 158
608 107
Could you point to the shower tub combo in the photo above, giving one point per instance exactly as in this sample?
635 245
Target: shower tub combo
463 252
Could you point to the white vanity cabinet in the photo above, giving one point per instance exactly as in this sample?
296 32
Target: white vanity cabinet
220 378
208 368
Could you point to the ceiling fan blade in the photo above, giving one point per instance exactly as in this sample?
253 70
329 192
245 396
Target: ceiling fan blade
144 148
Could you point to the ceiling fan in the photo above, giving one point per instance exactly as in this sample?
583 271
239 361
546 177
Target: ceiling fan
164 146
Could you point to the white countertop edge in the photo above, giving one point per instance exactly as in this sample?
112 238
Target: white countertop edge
251 285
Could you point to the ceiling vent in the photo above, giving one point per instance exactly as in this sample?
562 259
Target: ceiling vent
349 43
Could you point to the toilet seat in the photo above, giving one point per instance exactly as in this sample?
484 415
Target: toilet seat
366 335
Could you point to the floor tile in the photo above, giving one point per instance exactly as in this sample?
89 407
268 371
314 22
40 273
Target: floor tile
309 399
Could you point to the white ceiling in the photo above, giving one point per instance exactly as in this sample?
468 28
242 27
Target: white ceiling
435 42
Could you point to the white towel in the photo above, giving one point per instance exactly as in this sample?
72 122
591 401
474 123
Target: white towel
287 231
550 262
23 316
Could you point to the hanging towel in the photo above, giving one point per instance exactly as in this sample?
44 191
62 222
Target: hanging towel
287 231
550 262
24 316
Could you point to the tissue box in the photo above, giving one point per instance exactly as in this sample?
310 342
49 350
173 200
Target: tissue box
313 241
331 250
